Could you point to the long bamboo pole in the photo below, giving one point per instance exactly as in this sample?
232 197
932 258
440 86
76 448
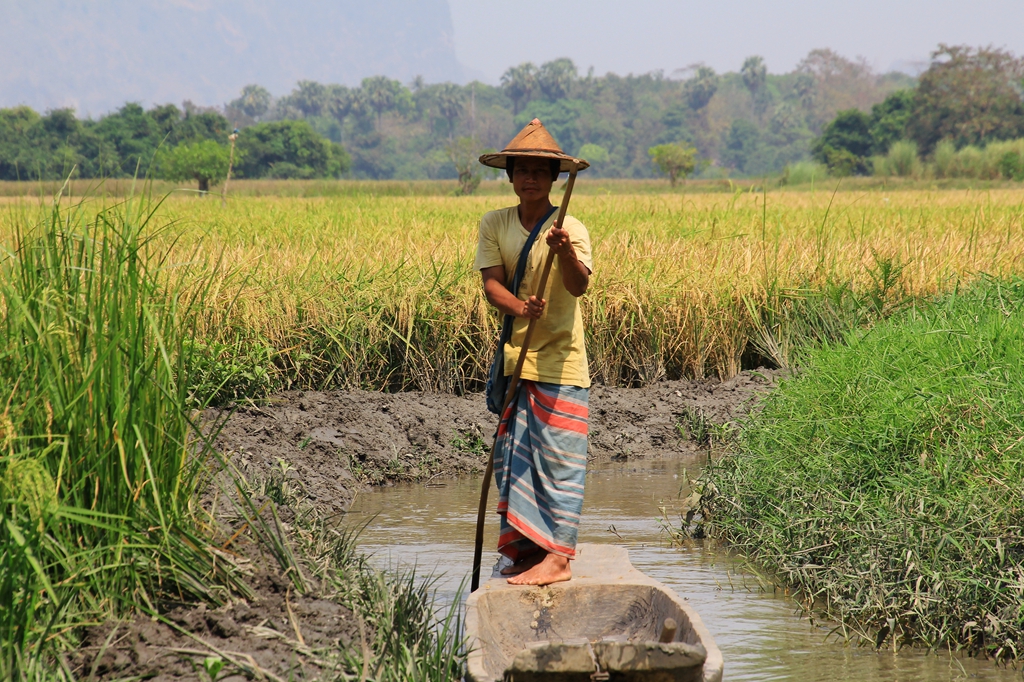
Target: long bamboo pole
513 385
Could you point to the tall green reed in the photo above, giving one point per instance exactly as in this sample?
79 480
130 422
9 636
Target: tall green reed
101 458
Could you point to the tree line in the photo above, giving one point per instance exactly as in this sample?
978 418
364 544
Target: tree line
744 123
166 142
741 123
964 118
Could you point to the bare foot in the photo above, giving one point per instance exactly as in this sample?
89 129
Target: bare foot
551 569
523 564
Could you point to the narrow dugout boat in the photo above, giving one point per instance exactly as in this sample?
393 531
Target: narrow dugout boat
610 622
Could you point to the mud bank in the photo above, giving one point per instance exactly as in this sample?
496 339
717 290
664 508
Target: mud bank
331 444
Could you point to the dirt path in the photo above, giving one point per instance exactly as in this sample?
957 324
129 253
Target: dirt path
330 444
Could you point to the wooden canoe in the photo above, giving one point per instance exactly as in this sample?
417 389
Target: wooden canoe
604 624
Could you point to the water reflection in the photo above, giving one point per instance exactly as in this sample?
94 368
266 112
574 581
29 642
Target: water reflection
761 635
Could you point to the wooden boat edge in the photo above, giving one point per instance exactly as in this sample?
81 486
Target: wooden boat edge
598 565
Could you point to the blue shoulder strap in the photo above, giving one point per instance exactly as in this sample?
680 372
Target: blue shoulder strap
517 279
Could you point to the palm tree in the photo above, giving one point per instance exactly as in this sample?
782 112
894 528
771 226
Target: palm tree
338 102
518 83
381 93
805 88
701 87
755 77
449 103
254 102
555 78
309 97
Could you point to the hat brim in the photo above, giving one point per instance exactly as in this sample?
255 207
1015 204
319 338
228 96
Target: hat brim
499 159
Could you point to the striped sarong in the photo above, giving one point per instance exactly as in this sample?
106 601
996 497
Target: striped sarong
540 463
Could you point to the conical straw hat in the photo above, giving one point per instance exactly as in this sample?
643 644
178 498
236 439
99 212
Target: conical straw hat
533 140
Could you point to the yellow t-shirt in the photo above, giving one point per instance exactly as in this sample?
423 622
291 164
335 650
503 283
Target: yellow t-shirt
557 353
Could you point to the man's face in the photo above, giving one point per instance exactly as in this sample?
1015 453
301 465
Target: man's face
531 178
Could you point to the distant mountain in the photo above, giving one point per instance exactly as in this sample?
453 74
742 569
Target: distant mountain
95 55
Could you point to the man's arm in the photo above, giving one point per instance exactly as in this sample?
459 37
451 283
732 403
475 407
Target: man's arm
504 300
575 275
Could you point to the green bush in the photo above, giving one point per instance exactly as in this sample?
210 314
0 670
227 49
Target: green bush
902 159
1008 158
804 172
1011 165
999 160
883 480
945 159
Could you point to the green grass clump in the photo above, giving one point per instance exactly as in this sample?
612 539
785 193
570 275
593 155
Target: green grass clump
884 480
100 460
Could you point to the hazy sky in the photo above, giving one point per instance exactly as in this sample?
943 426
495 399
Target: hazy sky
94 56
646 35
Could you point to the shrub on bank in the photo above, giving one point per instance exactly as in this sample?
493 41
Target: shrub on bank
883 481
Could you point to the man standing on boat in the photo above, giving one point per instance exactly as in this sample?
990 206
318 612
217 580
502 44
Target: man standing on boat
540 455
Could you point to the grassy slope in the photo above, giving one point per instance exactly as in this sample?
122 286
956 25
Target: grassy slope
884 480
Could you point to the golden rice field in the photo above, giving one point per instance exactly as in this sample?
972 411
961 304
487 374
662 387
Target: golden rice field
380 292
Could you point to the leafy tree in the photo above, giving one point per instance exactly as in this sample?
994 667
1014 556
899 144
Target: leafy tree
595 154
519 83
556 78
846 143
254 101
834 83
449 102
701 87
970 96
288 149
464 153
206 125
205 161
742 143
676 118
755 78
167 117
16 129
674 160
133 135
889 119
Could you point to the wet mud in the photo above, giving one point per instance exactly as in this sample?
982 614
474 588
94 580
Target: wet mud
333 443
278 635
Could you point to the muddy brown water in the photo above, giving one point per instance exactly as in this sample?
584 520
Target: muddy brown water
761 634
